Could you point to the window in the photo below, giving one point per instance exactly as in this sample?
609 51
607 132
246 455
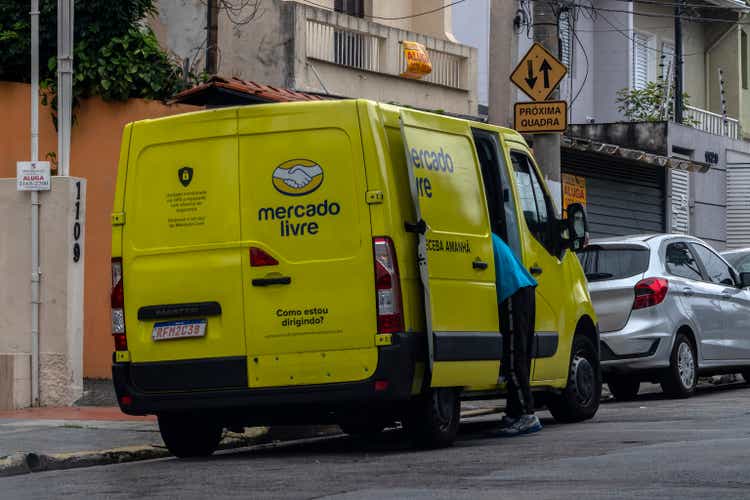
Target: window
718 272
741 262
354 8
613 263
640 60
566 41
500 200
536 205
680 262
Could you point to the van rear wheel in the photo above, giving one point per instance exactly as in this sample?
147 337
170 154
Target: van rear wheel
580 399
433 418
189 436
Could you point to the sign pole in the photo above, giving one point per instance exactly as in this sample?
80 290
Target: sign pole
35 275
547 146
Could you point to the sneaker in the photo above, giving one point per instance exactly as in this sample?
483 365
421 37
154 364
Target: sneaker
527 424
507 421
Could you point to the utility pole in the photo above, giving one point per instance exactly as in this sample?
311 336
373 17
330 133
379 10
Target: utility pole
503 51
547 146
65 11
679 105
35 274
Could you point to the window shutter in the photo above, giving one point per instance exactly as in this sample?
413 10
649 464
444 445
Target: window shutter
566 42
640 60
680 180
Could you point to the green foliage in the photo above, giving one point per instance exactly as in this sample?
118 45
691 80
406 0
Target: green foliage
115 55
648 104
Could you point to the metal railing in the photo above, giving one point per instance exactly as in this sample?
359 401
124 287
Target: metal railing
713 123
447 69
344 47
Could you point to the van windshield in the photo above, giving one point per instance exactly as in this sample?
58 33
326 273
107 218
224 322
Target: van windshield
602 263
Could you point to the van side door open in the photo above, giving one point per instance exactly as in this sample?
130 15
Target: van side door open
455 251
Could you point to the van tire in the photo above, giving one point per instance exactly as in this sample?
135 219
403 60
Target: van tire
624 388
580 399
188 436
672 382
433 418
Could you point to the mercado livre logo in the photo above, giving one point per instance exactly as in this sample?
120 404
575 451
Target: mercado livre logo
297 177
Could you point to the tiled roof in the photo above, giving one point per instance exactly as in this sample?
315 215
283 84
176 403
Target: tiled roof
205 93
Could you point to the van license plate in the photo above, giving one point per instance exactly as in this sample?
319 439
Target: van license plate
168 330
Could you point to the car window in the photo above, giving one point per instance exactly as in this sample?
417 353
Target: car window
681 262
718 271
536 205
602 263
740 261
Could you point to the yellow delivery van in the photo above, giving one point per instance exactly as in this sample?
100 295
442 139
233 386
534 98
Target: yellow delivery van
332 262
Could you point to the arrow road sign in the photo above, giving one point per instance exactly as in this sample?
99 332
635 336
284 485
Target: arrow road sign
538 63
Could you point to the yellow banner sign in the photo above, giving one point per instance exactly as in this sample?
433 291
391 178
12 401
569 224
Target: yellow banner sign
541 117
574 189
417 61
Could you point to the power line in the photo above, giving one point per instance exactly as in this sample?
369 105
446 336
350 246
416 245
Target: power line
399 18
688 5
636 42
586 76
667 16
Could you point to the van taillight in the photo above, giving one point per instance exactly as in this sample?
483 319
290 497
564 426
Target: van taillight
650 292
387 287
118 307
261 258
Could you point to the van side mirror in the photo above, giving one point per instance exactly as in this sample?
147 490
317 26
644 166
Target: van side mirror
576 226
744 280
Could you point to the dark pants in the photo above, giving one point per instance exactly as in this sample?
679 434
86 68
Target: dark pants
518 336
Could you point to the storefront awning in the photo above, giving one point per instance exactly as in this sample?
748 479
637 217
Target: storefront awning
642 157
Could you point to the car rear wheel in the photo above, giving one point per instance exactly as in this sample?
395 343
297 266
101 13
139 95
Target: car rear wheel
681 377
433 418
580 399
189 436
624 388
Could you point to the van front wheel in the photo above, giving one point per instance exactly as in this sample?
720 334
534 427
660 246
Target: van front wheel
580 399
189 436
433 418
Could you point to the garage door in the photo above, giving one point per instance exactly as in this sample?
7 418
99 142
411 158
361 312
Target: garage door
622 197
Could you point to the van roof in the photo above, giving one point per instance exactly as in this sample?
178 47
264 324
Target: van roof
508 133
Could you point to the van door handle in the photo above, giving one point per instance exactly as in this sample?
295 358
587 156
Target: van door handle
283 280
479 264
536 270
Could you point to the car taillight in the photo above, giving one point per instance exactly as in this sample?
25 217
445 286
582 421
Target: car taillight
387 287
649 292
118 307
261 258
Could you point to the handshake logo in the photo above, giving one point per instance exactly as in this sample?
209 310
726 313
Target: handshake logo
297 177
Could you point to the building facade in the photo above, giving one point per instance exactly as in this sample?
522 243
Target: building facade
348 48
610 45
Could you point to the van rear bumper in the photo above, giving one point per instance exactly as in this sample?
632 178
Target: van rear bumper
395 364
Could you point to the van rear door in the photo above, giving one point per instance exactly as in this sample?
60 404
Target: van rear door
181 253
455 250
307 269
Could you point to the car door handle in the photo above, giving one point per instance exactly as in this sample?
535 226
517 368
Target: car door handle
480 264
283 280
536 270
688 291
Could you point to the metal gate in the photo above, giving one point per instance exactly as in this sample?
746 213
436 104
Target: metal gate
738 205
622 197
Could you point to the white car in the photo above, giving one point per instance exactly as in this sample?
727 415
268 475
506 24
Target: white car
670 309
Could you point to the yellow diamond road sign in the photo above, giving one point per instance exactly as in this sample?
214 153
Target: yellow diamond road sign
538 73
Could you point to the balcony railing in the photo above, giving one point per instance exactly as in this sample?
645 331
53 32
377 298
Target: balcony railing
713 123
357 43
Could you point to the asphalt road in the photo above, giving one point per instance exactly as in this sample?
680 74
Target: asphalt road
650 448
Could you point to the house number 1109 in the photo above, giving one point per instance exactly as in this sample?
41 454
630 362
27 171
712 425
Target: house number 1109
77 225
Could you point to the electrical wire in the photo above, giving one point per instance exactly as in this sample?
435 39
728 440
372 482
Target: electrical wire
586 76
662 16
399 18
636 42
686 5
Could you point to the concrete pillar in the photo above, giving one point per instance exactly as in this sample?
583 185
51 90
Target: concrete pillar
503 49
63 216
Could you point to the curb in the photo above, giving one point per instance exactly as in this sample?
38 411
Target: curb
25 463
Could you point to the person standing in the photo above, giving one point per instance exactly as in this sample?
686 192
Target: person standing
516 292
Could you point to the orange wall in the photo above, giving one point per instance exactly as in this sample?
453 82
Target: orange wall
95 152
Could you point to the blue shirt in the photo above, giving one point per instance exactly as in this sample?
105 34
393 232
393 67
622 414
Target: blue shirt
510 274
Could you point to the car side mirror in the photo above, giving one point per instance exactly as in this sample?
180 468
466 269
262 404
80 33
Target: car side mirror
744 280
576 226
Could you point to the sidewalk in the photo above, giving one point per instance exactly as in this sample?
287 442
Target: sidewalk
38 439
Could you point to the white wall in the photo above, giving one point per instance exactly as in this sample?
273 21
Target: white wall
471 27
